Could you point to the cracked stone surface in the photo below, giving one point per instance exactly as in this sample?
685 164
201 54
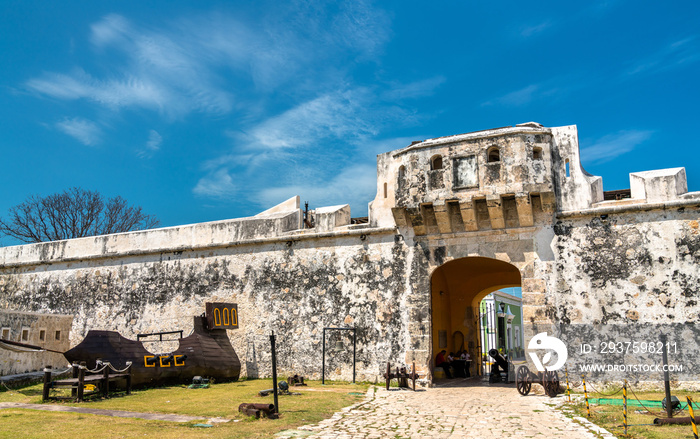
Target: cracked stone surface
470 410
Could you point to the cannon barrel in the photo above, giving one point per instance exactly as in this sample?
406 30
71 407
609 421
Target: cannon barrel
502 363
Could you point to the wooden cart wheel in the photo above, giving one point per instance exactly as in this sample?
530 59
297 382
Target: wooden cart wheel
522 380
551 383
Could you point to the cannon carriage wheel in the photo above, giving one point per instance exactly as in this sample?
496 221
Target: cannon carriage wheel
522 380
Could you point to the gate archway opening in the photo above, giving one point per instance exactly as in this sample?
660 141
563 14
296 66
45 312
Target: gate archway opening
457 288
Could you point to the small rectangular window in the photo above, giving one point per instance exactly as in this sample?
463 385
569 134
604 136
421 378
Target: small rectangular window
6 333
58 335
42 335
25 334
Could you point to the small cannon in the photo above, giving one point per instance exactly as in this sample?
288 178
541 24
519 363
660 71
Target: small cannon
401 375
296 380
266 410
500 365
548 379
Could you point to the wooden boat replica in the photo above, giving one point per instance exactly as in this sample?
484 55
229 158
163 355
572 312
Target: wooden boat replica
207 352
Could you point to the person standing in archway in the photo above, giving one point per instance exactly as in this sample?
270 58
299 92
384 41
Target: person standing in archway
441 361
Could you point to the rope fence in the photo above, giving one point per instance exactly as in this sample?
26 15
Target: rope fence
128 365
95 371
61 372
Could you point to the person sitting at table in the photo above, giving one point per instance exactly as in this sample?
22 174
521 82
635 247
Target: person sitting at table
451 357
441 361
468 361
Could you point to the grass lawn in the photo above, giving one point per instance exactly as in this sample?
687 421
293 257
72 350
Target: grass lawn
315 403
611 418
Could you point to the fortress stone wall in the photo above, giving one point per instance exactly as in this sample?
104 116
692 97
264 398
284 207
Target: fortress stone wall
454 219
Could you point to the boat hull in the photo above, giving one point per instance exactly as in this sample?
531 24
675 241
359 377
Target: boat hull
206 353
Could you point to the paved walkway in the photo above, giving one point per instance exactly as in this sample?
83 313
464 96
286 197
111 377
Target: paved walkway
470 410
116 413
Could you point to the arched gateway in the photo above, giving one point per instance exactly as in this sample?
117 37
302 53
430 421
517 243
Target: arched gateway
457 288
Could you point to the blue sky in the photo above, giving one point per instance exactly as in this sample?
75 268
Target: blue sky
202 111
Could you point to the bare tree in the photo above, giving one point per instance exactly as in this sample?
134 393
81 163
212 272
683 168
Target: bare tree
74 213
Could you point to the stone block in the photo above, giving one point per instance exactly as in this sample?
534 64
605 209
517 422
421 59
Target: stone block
534 285
659 185
524 207
468 216
495 209
400 216
442 218
533 313
536 299
328 218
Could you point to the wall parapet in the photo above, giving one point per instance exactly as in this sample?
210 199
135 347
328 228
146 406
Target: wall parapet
483 134
631 208
55 256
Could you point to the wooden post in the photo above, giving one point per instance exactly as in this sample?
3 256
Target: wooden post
667 379
47 383
413 371
128 377
105 379
274 371
81 381
74 390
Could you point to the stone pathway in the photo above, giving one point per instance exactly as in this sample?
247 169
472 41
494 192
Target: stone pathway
116 413
467 409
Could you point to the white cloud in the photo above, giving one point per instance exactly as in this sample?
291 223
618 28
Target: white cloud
309 142
551 90
529 31
516 98
87 132
216 184
613 145
194 64
162 70
112 93
280 174
415 89
673 55
354 185
339 115
154 141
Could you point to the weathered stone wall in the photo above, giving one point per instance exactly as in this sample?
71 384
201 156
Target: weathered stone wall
294 291
627 267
